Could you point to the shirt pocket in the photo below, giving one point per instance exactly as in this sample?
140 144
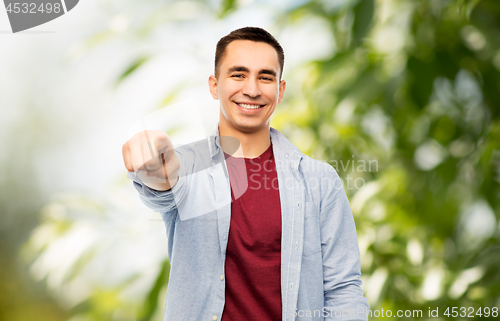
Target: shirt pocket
312 237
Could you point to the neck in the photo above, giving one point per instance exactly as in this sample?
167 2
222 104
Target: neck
251 144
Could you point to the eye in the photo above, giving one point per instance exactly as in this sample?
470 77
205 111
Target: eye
266 78
237 76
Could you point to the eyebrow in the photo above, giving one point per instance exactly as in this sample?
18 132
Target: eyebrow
245 69
268 72
238 68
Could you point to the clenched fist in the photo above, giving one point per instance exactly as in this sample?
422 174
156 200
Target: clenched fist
150 154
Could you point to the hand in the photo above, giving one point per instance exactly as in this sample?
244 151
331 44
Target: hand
150 154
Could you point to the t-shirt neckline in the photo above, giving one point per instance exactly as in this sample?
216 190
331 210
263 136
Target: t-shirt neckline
264 156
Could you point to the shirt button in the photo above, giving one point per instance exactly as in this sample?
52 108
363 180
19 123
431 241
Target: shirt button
296 244
298 204
291 285
222 277
286 155
214 317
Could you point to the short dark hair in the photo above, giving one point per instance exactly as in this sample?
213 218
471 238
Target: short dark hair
252 34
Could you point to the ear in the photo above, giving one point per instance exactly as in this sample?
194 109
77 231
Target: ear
212 85
281 90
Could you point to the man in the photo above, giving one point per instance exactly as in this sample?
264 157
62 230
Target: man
256 230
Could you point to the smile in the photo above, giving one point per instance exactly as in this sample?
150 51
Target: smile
248 106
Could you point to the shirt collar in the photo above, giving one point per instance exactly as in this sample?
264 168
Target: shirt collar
278 140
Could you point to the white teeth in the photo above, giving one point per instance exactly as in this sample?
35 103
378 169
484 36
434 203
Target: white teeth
249 106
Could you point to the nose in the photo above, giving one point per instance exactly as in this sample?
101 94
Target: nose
251 88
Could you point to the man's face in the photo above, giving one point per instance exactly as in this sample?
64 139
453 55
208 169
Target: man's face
247 86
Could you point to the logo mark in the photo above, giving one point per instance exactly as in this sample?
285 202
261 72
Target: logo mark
26 14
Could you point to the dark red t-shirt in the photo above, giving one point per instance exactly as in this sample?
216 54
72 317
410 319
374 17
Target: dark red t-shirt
253 256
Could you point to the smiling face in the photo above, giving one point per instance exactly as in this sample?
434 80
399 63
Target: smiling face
247 87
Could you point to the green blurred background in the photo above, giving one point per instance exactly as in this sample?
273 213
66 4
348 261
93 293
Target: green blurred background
410 88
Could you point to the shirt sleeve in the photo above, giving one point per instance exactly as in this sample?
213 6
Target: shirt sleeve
162 201
341 259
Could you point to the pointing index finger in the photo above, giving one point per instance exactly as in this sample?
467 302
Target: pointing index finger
151 149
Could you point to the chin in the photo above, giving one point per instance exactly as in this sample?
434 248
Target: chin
249 128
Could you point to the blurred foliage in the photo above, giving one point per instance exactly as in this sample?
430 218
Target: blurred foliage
406 109
101 258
